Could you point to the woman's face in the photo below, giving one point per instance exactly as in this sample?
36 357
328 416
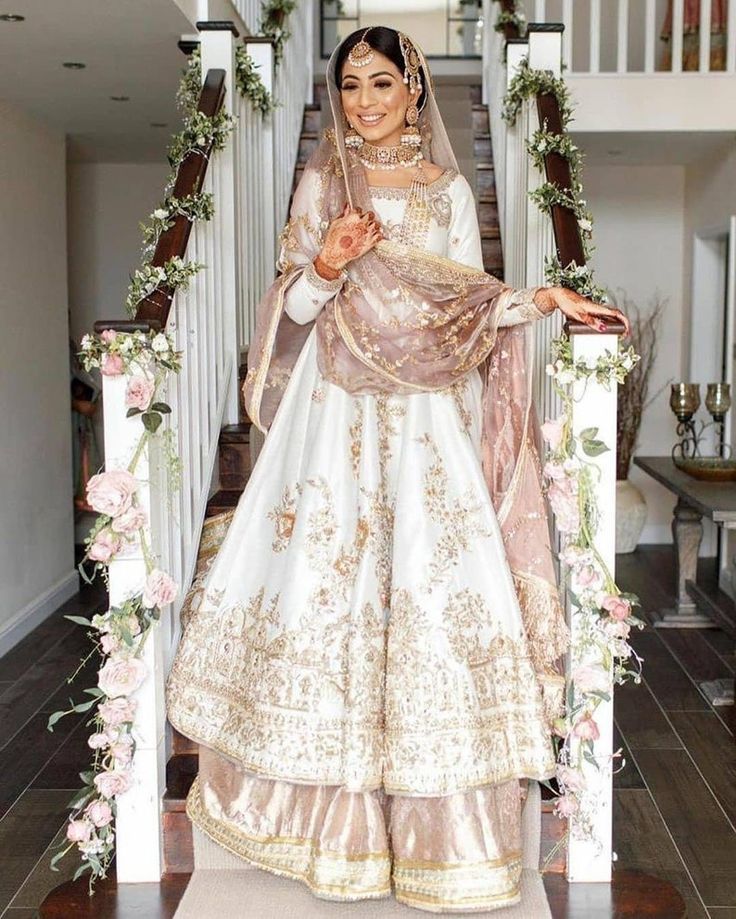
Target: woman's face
375 99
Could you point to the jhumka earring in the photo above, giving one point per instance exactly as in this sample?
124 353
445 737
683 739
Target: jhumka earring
352 138
411 136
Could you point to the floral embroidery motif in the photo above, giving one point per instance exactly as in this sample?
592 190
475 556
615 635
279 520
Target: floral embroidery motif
284 517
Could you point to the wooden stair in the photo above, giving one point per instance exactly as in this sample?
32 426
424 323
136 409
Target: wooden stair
485 181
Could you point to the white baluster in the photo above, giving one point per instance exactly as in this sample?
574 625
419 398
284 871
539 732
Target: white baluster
704 44
515 210
678 20
567 45
540 11
731 39
596 407
622 51
651 38
595 36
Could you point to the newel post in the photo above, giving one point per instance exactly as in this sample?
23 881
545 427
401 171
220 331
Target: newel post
595 406
139 837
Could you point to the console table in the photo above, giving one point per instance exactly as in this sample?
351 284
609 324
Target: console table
695 499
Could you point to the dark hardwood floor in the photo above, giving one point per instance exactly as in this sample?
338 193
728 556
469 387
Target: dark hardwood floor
674 800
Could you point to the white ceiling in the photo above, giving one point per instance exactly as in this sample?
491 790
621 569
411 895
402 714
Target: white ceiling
130 49
651 148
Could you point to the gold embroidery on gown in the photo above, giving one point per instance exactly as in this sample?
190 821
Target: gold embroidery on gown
356 669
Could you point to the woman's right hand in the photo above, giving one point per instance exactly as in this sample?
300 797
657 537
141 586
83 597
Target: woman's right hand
348 237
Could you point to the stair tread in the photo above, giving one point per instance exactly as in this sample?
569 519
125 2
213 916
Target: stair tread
236 433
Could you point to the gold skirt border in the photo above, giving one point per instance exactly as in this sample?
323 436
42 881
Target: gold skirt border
538 772
419 884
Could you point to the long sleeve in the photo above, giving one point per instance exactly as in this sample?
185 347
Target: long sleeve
464 246
303 233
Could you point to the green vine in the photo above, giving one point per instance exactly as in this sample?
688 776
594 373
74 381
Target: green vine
274 16
249 83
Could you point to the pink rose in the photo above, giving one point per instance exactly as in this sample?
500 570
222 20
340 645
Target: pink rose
572 779
160 589
586 728
98 741
117 711
139 392
111 493
588 678
109 643
129 521
106 545
616 607
554 471
112 365
587 576
552 432
122 749
566 510
566 806
109 336
574 556
99 812
114 782
617 629
78 830
121 676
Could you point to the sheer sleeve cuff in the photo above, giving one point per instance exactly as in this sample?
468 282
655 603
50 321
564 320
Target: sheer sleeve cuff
520 306
309 293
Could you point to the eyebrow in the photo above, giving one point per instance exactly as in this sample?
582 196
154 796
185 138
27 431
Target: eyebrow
380 73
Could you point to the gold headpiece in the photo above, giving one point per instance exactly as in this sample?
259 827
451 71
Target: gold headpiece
362 53
411 65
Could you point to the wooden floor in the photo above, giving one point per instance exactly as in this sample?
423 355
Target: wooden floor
675 801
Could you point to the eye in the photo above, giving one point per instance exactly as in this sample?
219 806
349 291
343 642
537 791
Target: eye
383 84
347 87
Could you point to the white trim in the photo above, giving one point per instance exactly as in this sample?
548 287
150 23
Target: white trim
34 613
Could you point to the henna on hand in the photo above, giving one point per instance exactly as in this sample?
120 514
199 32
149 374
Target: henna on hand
348 237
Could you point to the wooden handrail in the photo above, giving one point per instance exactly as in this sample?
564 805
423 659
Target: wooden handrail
152 312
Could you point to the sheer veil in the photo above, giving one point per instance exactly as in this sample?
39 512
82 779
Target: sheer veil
408 320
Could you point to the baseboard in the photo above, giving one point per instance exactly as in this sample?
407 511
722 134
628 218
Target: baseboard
37 610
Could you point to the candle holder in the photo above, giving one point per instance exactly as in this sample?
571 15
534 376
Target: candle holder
686 453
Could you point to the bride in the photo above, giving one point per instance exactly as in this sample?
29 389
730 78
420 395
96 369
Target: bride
375 660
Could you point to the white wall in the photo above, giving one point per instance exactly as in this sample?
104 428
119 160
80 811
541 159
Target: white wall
36 514
640 246
107 201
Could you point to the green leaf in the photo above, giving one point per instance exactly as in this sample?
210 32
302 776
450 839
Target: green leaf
85 866
151 421
81 797
132 411
588 433
161 407
594 447
80 620
57 716
84 706
97 693
87 777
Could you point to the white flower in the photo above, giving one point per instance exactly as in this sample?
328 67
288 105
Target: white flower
160 213
86 343
565 376
550 370
159 344
585 225
125 345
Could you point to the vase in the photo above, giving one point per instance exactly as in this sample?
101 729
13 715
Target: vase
631 515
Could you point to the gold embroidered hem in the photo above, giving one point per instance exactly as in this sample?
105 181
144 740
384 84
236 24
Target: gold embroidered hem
458 853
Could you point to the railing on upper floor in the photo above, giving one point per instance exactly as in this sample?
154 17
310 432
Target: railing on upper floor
529 236
211 323
626 36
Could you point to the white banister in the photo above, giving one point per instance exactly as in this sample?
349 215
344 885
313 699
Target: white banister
595 36
704 43
622 48
650 35
678 20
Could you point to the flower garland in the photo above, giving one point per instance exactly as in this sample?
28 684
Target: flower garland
604 614
249 83
274 15
118 635
515 18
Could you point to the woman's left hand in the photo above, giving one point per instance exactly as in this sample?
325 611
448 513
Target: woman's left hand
582 309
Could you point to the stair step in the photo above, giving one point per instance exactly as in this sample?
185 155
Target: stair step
223 500
308 143
492 254
312 123
482 147
182 744
481 122
488 218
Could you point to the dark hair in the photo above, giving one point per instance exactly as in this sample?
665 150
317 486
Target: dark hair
386 42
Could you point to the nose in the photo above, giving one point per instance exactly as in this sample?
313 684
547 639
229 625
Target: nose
365 97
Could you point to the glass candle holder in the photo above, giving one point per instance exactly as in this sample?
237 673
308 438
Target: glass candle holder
718 400
685 400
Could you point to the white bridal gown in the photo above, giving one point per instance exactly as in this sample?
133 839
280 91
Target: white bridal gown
356 669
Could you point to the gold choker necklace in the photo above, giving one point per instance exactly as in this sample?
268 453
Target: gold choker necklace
401 156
